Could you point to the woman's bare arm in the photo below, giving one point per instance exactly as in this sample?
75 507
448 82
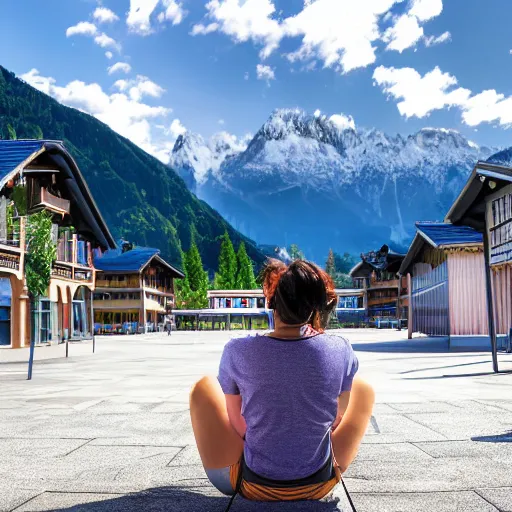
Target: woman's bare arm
234 407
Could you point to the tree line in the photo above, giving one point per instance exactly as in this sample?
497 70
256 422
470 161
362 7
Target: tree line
235 272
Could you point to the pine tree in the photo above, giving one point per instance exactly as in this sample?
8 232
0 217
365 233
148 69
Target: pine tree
245 279
296 253
226 279
330 265
182 292
197 278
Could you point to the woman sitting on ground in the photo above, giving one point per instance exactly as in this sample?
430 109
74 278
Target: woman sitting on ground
285 417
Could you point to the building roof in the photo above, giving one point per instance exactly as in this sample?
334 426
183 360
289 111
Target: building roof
17 155
469 207
444 234
134 260
440 235
383 259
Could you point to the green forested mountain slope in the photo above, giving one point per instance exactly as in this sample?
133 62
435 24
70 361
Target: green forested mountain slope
140 198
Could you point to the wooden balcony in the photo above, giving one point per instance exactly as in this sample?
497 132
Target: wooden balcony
132 284
377 285
119 304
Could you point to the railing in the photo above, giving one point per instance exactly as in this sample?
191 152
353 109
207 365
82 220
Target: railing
10 261
117 303
385 284
62 271
66 254
128 283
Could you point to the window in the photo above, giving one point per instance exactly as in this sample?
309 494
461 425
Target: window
41 325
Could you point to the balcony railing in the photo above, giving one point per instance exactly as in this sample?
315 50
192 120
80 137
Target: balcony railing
66 254
127 283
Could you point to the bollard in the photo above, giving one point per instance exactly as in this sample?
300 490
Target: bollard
67 348
31 359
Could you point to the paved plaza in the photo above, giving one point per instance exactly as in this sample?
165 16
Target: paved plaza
110 431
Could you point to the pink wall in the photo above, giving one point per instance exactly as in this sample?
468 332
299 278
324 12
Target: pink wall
467 296
502 282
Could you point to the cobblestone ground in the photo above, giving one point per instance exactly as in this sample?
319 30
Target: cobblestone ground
110 431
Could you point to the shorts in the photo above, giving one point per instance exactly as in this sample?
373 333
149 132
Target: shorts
219 478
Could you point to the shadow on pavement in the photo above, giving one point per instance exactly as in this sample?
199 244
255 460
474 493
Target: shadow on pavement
502 438
176 499
440 346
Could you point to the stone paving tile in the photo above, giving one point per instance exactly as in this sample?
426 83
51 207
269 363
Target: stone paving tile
78 501
422 502
443 449
391 451
135 441
12 498
501 498
186 457
42 447
423 407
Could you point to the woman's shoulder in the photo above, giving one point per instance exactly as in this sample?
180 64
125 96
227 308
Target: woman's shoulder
237 341
336 341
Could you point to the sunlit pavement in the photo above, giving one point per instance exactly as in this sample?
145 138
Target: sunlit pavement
110 431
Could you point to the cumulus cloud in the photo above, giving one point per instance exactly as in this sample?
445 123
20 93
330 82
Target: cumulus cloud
419 95
104 15
265 73
139 87
406 32
342 122
82 28
425 10
124 67
141 12
221 122
107 42
125 115
244 21
176 129
433 40
109 55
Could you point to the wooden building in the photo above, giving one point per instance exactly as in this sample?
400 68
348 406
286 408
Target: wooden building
385 295
41 175
134 290
445 268
485 204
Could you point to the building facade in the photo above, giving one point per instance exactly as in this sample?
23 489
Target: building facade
40 176
134 290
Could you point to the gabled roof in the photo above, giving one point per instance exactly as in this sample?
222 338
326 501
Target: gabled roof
444 234
469 207
438 235
16 155
134 260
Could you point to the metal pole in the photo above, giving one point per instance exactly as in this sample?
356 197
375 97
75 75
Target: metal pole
490 305
31 358
67 348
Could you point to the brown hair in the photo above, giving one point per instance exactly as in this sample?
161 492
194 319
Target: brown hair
300 292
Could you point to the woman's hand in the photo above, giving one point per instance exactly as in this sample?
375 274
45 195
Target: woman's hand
234 407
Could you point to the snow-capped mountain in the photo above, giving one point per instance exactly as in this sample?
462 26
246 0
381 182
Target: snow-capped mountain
320 182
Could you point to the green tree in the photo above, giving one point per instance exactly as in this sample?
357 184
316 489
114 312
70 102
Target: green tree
197 277
182 292
245 279
11 131
41 253
226 279
296 253
330 266
344 263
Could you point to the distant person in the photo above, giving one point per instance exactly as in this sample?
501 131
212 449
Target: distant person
285 417
168 327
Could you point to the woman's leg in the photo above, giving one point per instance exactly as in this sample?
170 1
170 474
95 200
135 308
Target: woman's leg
217 441
348 435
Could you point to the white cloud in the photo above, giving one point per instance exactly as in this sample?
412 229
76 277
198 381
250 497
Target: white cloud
342 122
176 129
139 87
405 33
104 15
425 10
244 21
221 122
119 66
265 73
201 29
420 95
443 38
486 107
128 117
82 28
174 12
107 42
109 55
246 75
317 113
141 12
139 15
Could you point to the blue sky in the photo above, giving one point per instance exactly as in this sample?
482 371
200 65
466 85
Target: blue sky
390 64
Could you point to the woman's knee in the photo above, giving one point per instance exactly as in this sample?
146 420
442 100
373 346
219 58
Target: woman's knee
202 388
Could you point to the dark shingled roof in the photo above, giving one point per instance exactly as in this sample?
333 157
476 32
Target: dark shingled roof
133 260
449 234
15 152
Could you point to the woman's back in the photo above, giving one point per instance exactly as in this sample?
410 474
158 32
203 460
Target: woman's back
289 392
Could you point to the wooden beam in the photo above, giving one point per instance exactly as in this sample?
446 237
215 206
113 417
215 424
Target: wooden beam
490 304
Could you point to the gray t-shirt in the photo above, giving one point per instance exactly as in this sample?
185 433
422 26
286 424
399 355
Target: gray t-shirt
289 394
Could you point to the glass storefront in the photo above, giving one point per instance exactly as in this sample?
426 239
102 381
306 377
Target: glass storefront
43 312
